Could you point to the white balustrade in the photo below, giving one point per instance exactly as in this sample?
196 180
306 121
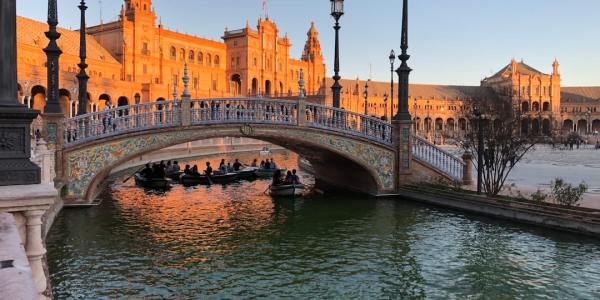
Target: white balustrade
441 160
120 120
244 111
147 116
319 116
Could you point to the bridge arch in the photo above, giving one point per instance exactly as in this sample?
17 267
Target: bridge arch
339 160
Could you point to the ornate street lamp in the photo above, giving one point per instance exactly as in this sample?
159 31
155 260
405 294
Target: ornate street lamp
82 76
337 10
392 60
385 98
366 96
53 52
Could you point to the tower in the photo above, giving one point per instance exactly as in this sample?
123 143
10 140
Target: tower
313 56
555 87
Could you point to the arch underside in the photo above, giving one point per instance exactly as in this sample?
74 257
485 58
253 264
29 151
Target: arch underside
338 160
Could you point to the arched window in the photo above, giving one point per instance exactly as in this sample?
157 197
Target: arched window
217 60
200 58
192 56
173 53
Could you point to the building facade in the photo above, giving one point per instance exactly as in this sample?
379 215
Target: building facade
137 60
439 110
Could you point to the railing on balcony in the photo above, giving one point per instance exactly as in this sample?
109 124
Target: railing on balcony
318 116
441 160
120 120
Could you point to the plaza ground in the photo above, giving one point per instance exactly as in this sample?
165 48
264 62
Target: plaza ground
539 167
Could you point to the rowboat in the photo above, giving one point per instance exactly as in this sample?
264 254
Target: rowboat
247 173
268 173
193 180
223 177
175 176
287 190
151 183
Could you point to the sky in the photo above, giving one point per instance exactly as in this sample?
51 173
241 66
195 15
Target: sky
450 41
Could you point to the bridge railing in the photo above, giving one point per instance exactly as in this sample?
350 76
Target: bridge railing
120 120
443 161
242 111
319 116
167 114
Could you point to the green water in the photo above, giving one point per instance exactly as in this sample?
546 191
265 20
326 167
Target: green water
235 242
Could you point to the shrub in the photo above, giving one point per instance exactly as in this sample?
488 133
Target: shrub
539 196
565 194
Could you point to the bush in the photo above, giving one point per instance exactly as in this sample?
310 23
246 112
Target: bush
565 194
539 196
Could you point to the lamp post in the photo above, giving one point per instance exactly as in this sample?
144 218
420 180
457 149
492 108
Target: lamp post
385 98
82 76
403 71
479 116
588 118
337 10
366 96
392 60
53 53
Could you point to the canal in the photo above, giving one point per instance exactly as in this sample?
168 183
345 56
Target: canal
235 241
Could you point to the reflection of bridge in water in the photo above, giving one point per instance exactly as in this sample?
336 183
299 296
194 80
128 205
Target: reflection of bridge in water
347 149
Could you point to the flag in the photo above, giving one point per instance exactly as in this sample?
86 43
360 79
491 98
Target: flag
264 5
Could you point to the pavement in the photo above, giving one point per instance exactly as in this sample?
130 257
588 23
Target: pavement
544 164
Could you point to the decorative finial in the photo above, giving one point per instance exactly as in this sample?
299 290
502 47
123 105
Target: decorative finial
186 80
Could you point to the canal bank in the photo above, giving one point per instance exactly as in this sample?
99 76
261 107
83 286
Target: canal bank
573 219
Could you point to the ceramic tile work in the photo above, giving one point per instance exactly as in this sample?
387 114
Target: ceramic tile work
84 164
379 159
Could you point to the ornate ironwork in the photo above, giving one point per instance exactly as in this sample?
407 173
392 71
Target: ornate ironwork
82 76
403 71
53 53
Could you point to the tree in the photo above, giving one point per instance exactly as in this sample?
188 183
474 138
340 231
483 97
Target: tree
504 145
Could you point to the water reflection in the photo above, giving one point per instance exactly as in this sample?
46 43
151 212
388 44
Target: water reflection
236 242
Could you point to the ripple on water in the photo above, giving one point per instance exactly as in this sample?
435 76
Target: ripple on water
236 242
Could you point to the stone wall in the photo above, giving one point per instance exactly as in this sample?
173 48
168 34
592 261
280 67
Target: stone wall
16 279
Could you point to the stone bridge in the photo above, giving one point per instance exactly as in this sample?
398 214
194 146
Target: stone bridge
346 149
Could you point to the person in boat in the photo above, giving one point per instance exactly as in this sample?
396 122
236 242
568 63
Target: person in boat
176 168
208 172
187 170
169 168
195 171
267 165
289 178
237 165
295 177
273 165
262 164
254 163
147 171
158 171
229 168
222 164
162 165
277 178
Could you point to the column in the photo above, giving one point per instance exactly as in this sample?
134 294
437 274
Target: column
35 248
15 118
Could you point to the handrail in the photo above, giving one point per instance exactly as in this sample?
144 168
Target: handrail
426 152
320 116
120 120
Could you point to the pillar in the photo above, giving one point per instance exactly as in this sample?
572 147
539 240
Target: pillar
15 118
35 248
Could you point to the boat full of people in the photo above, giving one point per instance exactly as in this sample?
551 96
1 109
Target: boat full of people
152 177
290 186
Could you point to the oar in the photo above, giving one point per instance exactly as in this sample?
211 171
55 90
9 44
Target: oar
270 185
127 179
